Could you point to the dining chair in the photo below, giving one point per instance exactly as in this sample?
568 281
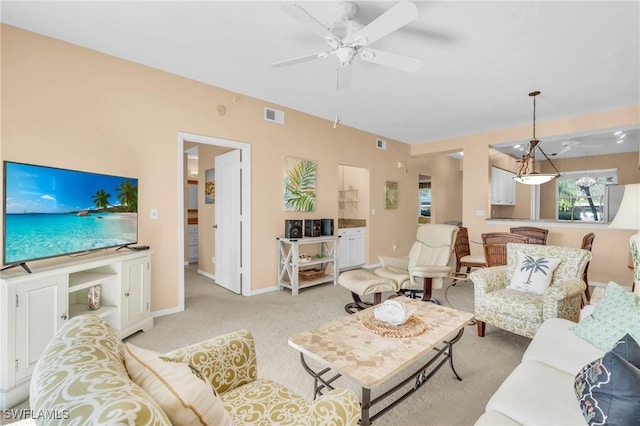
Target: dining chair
464 258
536 235
634 246
495 246
587 244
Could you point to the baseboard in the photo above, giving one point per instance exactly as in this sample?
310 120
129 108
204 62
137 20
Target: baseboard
266 290
206 274
164 312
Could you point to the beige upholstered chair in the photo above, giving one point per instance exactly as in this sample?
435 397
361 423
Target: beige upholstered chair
83 373
427 264
523 312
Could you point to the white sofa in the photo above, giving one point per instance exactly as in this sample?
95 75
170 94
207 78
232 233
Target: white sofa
540 391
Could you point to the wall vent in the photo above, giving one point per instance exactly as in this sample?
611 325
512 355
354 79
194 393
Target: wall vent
274 115
380 144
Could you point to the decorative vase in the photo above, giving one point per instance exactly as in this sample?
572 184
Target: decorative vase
94 298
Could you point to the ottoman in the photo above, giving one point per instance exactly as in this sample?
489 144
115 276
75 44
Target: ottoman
361 283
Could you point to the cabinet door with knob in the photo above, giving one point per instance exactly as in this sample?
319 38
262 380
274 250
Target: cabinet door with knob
352 247
135 291
41 309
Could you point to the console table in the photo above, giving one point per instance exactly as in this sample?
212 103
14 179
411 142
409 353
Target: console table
289 264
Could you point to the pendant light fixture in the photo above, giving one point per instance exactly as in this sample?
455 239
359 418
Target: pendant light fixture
586 181
527 166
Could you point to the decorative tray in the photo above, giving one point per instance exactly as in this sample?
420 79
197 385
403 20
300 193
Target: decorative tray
412 327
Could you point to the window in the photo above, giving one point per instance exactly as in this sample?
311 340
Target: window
580 195
424 189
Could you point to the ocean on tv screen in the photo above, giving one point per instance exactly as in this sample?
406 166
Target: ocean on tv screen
41 235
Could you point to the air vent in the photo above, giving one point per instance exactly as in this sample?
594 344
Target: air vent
274 115
380 144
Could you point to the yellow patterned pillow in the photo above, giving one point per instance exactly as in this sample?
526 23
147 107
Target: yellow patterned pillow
184 397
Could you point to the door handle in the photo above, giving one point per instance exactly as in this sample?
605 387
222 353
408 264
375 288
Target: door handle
215 226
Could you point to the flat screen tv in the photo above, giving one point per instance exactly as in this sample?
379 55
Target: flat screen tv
51 212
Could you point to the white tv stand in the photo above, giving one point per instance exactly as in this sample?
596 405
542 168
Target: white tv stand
34 306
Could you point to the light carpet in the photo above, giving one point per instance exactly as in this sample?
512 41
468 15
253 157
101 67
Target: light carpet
483 363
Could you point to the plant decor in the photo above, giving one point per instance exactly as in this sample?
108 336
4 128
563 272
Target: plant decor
299 184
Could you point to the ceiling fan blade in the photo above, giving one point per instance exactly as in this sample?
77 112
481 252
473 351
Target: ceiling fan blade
393 60
305 18
344 77
398 16
300 59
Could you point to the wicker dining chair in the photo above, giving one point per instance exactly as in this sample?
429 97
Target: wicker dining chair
536 235
587 244
495 246
464 258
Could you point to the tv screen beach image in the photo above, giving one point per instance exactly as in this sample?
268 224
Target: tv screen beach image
51 212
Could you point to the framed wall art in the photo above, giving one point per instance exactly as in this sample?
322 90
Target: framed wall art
390 195
299 184
210 186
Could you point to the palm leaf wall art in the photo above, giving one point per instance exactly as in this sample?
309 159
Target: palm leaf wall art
390 195
299 184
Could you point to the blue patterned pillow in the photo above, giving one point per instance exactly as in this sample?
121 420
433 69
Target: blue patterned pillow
616 315
608 389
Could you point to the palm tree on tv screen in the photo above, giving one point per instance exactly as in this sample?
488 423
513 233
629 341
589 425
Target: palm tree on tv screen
128 195
101 199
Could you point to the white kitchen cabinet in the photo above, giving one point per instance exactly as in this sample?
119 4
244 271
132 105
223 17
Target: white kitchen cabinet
352 247
192 243
33 307
503 187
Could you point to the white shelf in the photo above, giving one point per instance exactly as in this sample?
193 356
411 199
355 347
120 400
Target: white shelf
289 265
82 308
86 279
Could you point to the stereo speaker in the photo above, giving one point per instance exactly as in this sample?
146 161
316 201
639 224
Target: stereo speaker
327 227
312 227
293 228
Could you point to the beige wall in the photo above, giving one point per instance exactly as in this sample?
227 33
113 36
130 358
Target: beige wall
67 106
446 187
609 250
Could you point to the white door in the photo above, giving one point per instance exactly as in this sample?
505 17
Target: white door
228 221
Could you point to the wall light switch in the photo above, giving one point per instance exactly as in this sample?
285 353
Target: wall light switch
479 212
373 212
154 214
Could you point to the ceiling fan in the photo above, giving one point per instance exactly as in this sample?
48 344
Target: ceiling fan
566 146
347 38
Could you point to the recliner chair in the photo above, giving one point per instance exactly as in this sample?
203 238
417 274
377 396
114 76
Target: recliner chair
427 264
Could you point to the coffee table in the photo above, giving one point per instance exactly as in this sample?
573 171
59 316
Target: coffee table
347 348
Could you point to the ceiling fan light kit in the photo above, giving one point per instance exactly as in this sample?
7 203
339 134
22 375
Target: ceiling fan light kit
347 38
527 174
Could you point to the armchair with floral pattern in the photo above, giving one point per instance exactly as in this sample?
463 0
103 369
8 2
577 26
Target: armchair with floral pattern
522 312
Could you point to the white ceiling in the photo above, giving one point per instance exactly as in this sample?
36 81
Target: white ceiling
481 59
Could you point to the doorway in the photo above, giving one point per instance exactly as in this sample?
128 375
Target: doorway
185 140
